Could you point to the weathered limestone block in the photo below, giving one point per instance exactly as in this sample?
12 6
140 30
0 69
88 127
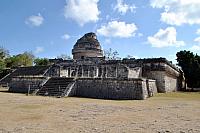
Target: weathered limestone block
63 73
171 83
151 87
165 74
164 82
112 88
159 76
122 71
25 84
134 72
111 71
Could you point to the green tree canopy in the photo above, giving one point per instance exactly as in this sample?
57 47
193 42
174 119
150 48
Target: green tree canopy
3 55
190 65
41 61
7 61
25 59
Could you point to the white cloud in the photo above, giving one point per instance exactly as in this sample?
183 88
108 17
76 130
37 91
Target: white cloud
65 36
165 38
139 34
198 32
122 7
197 40
117 29
107 41
39 50
82 11
35 20
195 48
178 12
107 17
172 57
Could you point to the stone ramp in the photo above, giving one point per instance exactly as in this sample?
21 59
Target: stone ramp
57 86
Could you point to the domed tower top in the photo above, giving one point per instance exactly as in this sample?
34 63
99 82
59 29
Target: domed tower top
87 46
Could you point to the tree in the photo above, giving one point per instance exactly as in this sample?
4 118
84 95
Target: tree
111 55
2 65
10 61
25 59
3 55
190 65
41 61
7 61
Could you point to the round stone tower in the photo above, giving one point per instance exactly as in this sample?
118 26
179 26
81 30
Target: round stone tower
87 46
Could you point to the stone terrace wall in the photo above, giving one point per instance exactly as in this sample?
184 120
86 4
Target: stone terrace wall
107 69
22 84
151 87
26 71
112 88
171 83
166 75
159 76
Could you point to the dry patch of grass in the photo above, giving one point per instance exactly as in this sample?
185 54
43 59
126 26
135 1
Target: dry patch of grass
167 112
182 95
30 118
29 106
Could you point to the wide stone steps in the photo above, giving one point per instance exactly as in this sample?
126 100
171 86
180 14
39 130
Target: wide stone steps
56 86
25 71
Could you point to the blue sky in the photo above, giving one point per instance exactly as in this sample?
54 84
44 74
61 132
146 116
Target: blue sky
141 28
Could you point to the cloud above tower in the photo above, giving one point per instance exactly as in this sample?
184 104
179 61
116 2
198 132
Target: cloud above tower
39 49
122 7
65 36
165 38
117 29
178 12
82 11
35 20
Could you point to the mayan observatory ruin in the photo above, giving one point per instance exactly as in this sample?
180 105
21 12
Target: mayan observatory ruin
90 75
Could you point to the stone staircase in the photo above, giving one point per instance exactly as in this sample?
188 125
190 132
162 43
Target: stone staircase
25 71
34 91
57 87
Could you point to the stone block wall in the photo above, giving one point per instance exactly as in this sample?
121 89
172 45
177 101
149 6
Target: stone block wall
151 87
171 83
64 73
164 81
111 88
54 71
159 76
22 84
166 75
134 72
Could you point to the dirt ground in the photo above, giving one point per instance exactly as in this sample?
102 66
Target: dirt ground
163 113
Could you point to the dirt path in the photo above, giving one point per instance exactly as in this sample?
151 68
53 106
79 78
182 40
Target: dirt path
161 114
